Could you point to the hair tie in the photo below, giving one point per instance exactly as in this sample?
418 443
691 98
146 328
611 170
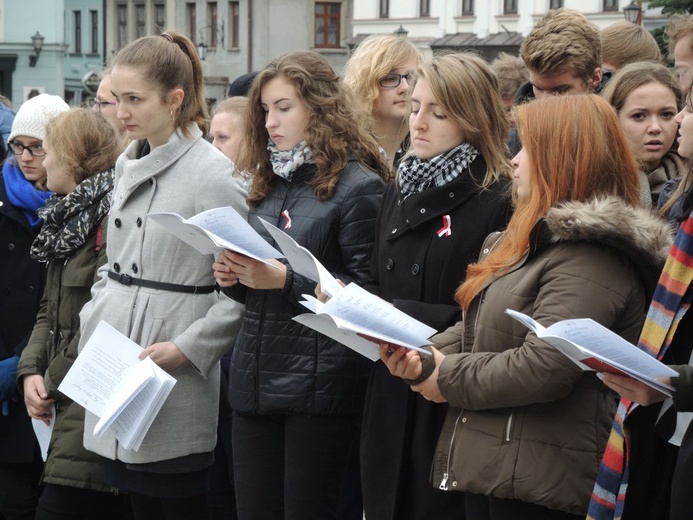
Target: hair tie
167 36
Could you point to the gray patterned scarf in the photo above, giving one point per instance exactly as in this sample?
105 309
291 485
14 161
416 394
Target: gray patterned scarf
417 175
286 163
69 220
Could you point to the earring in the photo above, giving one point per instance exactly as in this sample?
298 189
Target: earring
173 118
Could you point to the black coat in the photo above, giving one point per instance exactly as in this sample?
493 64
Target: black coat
419 271
277 365
21 284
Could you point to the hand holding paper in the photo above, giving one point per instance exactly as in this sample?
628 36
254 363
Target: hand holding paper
110 381
302 261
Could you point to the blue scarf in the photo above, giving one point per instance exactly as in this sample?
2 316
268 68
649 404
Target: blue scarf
22 194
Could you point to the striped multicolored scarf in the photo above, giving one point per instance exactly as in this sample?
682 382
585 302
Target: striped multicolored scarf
670 302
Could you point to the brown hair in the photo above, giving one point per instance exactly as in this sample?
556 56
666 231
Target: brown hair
511 72
679 27
626 42
84 142
332 133
576 151
467 90
635 75
170 61
563 41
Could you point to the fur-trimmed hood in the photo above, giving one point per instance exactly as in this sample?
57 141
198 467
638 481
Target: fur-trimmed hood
639 233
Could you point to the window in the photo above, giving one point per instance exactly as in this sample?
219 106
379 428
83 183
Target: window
327 23
77 31
190 20
509 6
424 8
555 4
467 7
122 25
159 18
234 17
94 32
212 22
610 5
141 21
384 8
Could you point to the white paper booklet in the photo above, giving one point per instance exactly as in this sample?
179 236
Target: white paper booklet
360 320
43 433
594 347
217 229
110 381
302 261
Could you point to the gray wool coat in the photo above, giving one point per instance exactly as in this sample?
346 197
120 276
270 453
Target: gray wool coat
185 176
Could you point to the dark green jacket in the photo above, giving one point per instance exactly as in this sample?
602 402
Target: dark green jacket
51 351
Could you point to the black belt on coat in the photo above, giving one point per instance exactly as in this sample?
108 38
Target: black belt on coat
126 279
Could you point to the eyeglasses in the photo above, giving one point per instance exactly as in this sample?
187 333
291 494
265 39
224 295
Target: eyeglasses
393 79
98 104
35 150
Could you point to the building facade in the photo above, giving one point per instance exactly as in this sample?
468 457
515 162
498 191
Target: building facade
84 48
488 26
238 36
24 71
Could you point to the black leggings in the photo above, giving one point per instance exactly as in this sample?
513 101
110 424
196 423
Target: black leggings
291 467
481 507
187 508
70 503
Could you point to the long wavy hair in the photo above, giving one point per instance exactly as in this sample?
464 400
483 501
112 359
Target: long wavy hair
576 151
170 61
333 133
466 89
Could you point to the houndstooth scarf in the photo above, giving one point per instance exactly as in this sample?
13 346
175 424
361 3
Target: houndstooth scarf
417 175
286 163
69 220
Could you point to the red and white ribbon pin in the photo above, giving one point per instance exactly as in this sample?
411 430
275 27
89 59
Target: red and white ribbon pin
445 230
287 219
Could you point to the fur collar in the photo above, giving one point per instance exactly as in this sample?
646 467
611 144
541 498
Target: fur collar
641 234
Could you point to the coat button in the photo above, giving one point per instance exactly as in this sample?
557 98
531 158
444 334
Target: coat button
454 483
134 268
422 210
116 267
464 419
139 222
117 222
451 194
151 181
10 247
415 269
389 264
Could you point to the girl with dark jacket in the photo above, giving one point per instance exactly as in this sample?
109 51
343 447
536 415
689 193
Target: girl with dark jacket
297 396
81 149
526 426
452 190
664 475
22 192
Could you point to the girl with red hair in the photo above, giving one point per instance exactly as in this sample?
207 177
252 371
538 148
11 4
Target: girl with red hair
526 427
